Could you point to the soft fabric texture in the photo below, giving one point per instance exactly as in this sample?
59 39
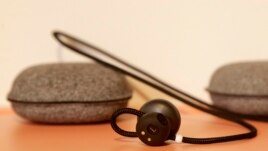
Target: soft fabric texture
241 87
69 93
68 113
247 78
69 82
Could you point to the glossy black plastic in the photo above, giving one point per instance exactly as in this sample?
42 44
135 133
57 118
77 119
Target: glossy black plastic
168 110
153 129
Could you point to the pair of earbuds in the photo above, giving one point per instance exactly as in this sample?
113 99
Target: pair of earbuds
158 120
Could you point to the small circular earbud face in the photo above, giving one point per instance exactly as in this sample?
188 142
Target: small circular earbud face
153 129
168 110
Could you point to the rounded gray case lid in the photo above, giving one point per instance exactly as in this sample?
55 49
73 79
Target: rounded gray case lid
69 82
246 78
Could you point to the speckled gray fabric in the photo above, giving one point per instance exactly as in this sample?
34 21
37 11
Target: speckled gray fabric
250 105
68 113
247 78
241 88
69 93
69 82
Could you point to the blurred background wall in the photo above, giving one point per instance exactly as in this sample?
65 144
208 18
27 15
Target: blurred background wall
181 41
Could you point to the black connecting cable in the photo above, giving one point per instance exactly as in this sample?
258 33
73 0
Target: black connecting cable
71 39
74 43
117 113
211 140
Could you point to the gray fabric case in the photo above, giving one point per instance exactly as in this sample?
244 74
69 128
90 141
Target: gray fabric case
241 87
69 93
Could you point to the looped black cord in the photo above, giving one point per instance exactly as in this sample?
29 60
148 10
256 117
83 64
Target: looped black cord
123 111
74 43
251 134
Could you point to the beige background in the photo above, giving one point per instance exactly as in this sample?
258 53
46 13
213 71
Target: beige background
182 42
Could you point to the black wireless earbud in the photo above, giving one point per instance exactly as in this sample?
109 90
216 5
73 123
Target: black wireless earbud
158 121
153 129
161 122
